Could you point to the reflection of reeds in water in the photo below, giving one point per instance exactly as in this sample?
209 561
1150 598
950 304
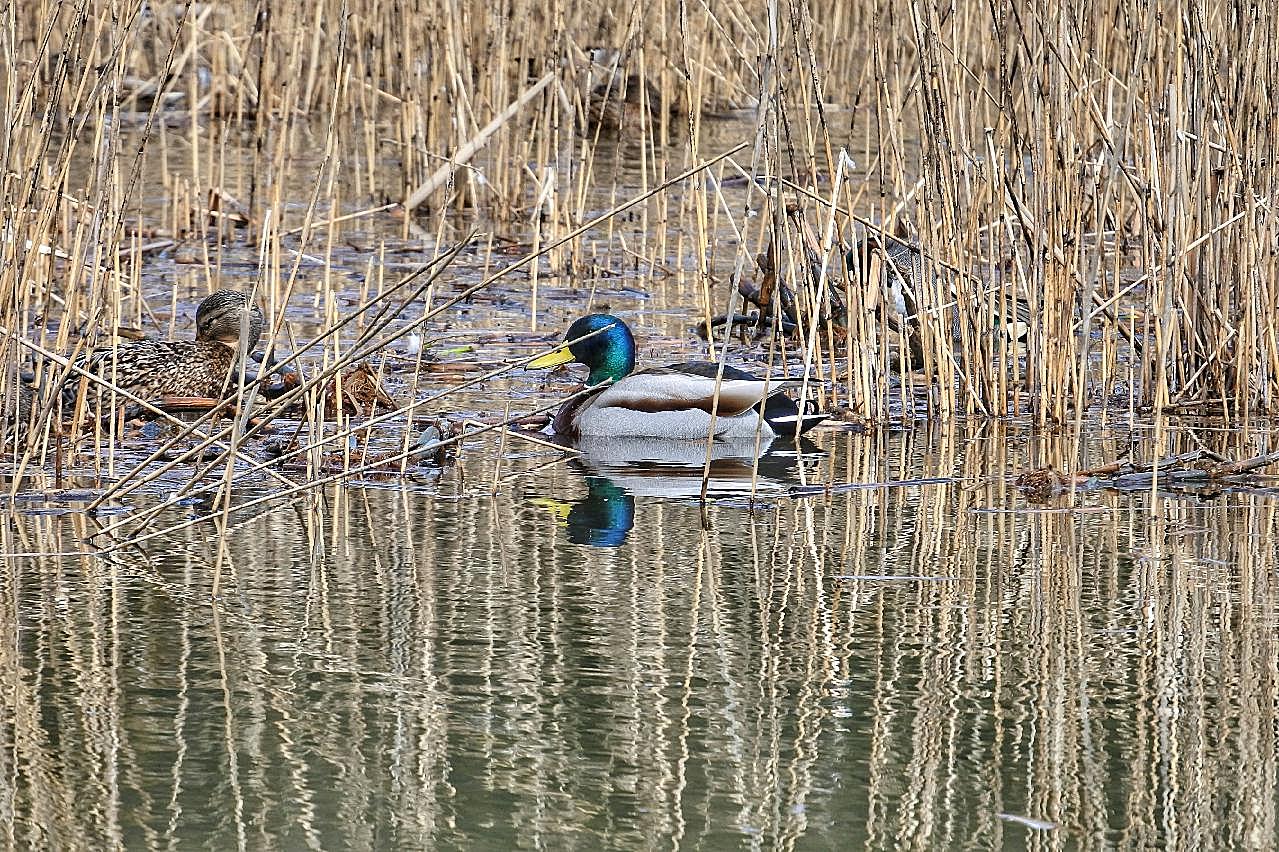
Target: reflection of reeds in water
893 665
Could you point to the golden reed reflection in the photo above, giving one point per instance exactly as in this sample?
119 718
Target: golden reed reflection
912 663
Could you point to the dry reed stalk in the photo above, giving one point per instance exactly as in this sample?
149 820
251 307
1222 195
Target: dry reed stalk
315 446
1055 157
318 482
464 154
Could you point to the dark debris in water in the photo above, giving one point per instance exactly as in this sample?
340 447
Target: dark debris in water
357 391
1200 471
436 445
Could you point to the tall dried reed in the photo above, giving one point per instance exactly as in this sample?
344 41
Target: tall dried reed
1110 165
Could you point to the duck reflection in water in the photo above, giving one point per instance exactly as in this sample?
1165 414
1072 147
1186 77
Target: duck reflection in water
603 518
616 471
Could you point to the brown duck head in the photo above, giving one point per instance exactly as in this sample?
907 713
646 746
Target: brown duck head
224 314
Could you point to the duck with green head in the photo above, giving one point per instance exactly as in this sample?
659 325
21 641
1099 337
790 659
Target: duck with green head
673 402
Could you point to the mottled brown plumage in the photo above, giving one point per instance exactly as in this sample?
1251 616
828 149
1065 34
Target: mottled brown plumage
626 103
15 411
200 368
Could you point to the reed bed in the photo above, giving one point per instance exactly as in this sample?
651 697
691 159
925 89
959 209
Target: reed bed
1110 165
473 174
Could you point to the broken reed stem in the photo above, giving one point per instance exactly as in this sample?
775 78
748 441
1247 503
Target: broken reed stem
445 173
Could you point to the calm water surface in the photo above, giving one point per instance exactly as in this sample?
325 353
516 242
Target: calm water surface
542 654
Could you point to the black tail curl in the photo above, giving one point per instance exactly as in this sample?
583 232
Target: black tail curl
784 417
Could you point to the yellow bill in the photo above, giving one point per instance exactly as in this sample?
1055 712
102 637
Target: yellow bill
557 508
551 359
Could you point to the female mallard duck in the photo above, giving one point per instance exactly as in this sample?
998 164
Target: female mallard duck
673 402
224 322
16 405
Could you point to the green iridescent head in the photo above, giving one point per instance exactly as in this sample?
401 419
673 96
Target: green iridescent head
609 350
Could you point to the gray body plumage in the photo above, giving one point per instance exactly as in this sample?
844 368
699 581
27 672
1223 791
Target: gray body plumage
903 271
675 403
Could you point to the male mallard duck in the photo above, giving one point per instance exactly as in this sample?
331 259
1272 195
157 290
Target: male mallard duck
673 402
224 321
902 277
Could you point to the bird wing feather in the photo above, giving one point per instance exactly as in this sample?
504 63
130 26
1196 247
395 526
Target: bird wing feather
670 390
